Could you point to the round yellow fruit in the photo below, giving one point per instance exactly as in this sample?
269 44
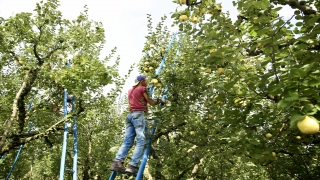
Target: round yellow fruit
183 18
202 11
274 154
150 68
183 1
218 9
220 71
192 133
308 125
212 50
159 84
194 19
154 81
210 116
298 137
208 70
269 135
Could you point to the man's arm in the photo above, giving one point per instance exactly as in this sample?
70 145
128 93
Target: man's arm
150 101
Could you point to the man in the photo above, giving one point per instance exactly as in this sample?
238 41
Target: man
135 127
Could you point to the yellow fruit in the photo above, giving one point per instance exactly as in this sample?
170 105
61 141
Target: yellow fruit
194 19
220 71
308 125
210 116
146 63
269 135
212 50
150 68
218 9
274 154
146 68
154 81
192 133
236 100
158 84
298 137
183 1
208 70
199 46
183 18
202 11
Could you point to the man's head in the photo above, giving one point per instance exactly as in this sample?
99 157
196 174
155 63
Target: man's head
140 80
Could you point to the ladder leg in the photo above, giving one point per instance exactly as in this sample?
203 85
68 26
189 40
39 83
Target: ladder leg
65 134
113 175
146 153
75 150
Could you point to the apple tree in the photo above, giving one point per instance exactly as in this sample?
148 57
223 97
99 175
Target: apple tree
234 83
42 54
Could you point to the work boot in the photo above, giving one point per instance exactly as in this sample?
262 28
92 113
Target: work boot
117 166
132 169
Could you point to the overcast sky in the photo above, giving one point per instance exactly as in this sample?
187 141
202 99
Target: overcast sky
125 21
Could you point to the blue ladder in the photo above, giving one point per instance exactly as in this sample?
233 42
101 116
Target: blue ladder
69 99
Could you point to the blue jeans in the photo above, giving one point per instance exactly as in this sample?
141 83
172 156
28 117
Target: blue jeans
136 127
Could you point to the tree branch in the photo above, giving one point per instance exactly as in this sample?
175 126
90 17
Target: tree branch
14 110
13 144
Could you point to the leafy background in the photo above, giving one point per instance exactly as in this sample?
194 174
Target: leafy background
232 83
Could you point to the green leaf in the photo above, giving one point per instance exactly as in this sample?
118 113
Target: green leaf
283 104
264 4
298 72
295 117
253 33
292 96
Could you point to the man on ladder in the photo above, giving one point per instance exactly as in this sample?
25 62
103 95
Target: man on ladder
136 126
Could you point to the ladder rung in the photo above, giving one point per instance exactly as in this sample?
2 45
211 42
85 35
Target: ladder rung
70 170
68 149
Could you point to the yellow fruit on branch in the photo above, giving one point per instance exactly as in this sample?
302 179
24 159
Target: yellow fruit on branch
212 50
183 1
192 133
208 70
159 84
154 81
269 135
274 154
308 125
194 19
298 137
220 71
218 9
183 18
202 11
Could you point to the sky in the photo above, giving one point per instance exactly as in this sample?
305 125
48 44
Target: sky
125 22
